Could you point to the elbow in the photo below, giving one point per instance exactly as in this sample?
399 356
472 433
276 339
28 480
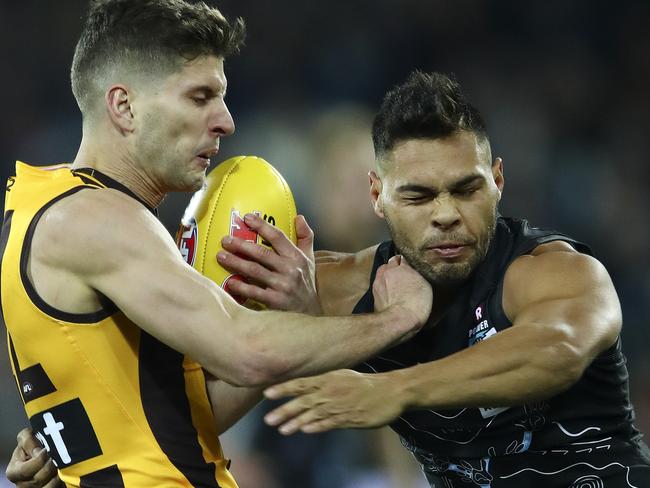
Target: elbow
571 355
254 357
259 370
565 365
255 365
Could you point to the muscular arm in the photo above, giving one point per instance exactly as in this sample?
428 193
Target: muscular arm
112 245
561 321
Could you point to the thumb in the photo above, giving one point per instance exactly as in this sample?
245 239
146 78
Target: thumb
305 237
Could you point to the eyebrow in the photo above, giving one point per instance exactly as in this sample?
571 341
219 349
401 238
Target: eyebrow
207 90
465 181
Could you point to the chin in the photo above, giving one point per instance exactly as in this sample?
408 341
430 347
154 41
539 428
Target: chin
191 183
451 276
445 274
198 184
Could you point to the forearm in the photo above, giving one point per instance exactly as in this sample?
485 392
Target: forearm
230 403
511 368
284 346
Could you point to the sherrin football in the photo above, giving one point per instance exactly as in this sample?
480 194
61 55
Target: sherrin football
239 185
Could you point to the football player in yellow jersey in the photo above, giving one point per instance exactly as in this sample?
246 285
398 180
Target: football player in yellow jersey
102 312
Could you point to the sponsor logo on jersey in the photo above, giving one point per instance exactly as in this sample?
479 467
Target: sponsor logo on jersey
482 328
481 332
66 433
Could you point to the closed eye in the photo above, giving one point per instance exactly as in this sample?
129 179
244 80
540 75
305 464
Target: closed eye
466 192
200 101
417 198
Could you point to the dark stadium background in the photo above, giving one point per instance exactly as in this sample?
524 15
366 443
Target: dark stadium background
564 89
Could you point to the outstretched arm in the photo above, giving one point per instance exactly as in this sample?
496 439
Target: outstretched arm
142 272
561 321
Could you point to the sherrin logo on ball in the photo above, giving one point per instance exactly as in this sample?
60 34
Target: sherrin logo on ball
239 185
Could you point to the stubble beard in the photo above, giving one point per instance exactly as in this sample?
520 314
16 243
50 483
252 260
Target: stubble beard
182 177
444 275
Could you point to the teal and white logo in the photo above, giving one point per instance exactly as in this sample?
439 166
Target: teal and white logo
481 332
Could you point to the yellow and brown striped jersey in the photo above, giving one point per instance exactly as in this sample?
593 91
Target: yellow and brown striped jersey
113 405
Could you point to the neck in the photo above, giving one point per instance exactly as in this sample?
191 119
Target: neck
444 295
443 298
121 168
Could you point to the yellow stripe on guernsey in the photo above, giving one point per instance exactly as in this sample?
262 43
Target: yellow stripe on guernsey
113 405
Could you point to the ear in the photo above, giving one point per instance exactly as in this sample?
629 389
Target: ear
375 194
118 106
497 174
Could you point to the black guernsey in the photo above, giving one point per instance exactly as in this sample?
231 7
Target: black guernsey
582 438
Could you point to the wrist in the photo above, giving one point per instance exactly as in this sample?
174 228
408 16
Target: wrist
407 386
396 383
402 320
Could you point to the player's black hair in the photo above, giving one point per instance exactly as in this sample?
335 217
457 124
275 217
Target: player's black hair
425 106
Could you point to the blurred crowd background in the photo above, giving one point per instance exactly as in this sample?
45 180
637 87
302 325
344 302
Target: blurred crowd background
564 87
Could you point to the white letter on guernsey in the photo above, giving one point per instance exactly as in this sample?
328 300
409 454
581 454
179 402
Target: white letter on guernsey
52 428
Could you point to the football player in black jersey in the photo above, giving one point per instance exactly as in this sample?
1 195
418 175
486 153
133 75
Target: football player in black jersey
518 380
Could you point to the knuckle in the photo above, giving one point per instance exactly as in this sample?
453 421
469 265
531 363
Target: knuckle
283 287
22 436
252 269
264 252
272 233
253 292
11 474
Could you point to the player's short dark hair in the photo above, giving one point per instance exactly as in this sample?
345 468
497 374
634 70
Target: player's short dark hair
425 106
151 36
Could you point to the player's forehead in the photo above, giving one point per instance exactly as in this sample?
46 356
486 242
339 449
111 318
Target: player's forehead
441 161
203 71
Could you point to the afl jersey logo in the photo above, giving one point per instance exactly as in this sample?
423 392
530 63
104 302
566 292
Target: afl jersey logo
187 239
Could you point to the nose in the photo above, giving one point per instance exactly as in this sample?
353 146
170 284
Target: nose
221 122
445 215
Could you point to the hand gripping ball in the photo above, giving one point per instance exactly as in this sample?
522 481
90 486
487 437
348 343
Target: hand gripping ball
240 185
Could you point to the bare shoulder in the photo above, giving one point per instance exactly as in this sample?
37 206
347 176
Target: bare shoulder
555 271
343 278
96 228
